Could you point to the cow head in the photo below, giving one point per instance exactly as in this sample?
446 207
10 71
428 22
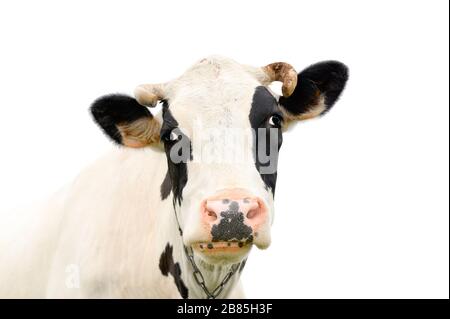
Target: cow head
221 129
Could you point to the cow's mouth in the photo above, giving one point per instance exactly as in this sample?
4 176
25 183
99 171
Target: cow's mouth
222 247
222 252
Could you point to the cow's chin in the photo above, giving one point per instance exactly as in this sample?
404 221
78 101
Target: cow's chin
221 253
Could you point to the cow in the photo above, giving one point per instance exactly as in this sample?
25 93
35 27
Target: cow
153 218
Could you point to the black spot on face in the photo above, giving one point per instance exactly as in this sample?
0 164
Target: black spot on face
234 206
166 186
168 266
231 226
177 175
263 107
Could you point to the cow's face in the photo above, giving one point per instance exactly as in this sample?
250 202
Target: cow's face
221 129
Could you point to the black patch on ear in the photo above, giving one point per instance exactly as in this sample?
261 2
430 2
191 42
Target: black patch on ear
231 226
263 107
326 78
177 175
168 266
110 110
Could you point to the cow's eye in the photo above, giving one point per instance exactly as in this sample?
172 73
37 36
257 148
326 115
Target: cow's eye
173 136
276 120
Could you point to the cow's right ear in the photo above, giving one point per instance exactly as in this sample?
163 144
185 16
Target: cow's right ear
125 121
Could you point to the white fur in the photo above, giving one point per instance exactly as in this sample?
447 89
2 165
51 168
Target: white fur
102 235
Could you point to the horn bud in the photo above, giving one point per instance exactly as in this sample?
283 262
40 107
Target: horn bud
149 94
283 72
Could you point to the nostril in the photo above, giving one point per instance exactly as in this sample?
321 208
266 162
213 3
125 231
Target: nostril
212 214
252 213
255 210
208 212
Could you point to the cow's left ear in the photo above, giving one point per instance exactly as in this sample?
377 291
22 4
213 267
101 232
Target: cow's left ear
125 121
318 88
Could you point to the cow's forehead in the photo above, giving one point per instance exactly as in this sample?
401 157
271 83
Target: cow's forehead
216 91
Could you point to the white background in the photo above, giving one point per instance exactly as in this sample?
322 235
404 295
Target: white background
362 196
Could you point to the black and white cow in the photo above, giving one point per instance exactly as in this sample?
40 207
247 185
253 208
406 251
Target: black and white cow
170 214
